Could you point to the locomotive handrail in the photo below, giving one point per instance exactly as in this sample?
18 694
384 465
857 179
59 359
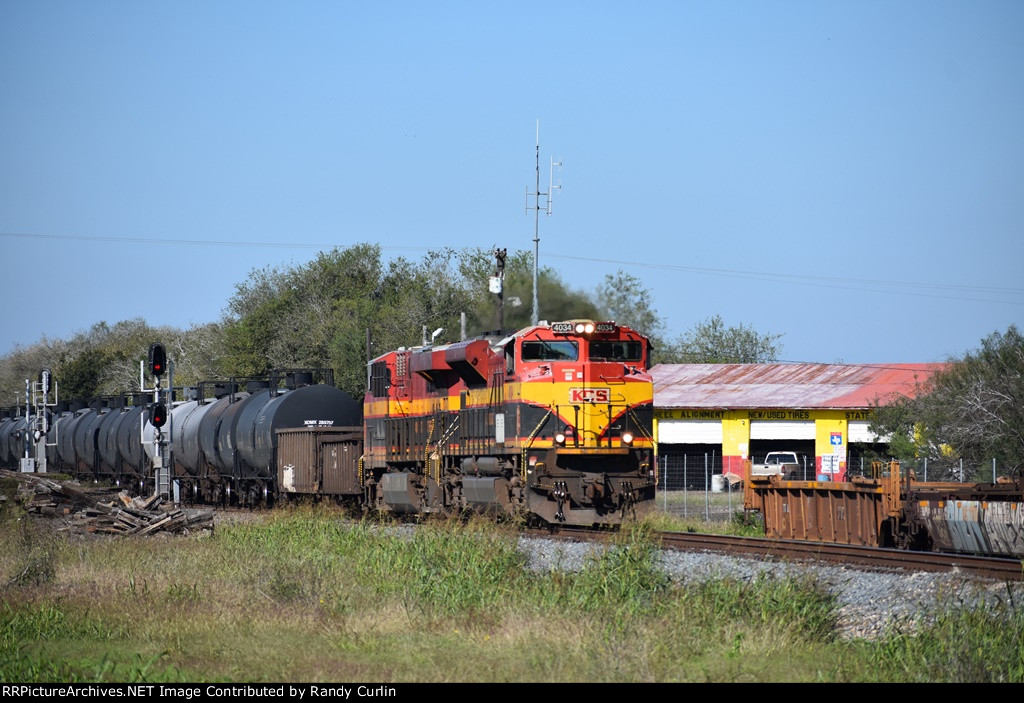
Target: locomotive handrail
631 410
449 432
529 441
426 447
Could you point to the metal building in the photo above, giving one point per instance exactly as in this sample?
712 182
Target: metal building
744 411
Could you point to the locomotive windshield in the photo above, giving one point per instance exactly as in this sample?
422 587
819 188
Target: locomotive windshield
550 351
616 351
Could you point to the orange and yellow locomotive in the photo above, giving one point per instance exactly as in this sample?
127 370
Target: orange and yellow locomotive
553 422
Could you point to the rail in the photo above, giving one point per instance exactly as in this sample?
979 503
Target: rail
869 558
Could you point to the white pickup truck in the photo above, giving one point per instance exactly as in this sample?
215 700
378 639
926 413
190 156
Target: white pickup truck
785 464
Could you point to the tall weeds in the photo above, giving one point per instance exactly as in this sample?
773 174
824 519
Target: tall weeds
300 595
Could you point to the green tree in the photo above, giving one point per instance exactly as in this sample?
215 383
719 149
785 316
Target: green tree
197 353
408 297
712 342
318 314
624 299
555 299
973 409
288 317
25 363
103 360
82 376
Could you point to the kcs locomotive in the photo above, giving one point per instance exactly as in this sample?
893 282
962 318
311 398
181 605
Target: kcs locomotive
554 421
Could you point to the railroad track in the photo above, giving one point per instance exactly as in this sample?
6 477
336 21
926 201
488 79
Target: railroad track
982 567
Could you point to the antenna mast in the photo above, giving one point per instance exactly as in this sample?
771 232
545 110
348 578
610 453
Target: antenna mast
536 207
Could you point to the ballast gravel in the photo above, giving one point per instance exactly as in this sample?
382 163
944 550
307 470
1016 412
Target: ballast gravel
871 603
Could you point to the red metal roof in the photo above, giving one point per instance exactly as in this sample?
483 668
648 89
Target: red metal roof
725 386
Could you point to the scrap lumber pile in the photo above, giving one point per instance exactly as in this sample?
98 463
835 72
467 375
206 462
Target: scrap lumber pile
89 511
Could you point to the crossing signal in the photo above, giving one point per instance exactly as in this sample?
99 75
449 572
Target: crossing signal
157 359
158 414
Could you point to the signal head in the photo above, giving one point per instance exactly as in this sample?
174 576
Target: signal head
157 359
44 380
158 414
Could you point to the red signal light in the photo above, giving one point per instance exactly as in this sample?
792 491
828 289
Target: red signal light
157 359
158 414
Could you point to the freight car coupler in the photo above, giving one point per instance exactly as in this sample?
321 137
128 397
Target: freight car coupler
627 496
561 493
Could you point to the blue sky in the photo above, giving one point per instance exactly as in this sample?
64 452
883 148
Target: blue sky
848 174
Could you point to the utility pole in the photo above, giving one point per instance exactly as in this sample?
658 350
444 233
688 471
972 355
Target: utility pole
536 207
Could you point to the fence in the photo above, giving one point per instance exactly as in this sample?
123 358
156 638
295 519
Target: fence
954 470
691 484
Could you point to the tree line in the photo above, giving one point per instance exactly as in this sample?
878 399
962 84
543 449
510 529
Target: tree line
973 409
316 315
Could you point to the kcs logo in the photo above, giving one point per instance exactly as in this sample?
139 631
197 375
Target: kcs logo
590 395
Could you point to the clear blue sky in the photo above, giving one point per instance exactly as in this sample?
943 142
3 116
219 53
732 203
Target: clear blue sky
850 174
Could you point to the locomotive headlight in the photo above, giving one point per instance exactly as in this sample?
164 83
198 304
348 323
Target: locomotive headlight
560 438
588 328
627 437
580 327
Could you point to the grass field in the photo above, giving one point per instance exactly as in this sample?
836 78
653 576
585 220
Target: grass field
302 596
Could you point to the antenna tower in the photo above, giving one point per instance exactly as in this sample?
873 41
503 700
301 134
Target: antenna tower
537 206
